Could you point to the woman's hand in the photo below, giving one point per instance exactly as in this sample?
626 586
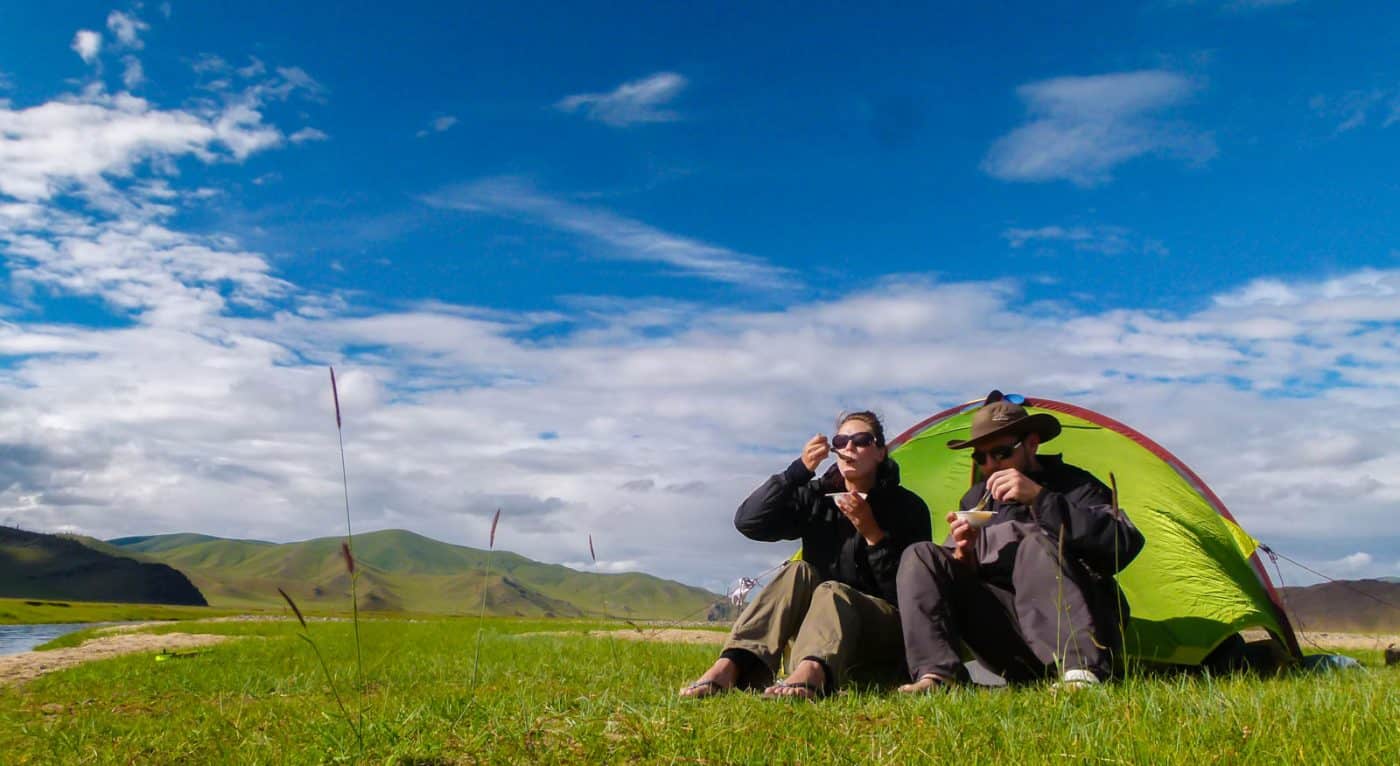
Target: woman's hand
815 452
859 513
964 539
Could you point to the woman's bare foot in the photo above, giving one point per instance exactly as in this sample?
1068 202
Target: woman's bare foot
720 678
807 681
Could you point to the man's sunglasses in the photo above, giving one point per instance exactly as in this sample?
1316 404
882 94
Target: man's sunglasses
862 439
995 453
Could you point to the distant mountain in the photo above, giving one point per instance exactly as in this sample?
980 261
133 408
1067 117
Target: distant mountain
40 566
1354 606
405 571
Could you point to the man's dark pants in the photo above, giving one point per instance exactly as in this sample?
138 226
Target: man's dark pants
1023 624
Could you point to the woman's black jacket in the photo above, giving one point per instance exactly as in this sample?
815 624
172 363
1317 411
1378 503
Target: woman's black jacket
794 504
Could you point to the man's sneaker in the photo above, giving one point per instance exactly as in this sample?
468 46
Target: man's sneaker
1077 678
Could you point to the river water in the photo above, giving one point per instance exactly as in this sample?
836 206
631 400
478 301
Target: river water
21 638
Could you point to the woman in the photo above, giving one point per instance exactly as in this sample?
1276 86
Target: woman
837 605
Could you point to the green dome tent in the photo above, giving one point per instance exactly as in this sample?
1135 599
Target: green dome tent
1197 582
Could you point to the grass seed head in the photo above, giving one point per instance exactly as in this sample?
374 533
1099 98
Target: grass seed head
335 395
293 605
348 556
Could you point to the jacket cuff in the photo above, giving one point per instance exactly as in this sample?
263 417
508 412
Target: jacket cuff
883 547
797 473
1048 512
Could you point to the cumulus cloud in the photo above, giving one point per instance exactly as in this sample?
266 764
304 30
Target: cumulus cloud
1081 128
87 44
438 125
617 236
82 140
631 103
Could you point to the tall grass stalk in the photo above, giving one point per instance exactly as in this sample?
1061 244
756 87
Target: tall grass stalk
305 635
348 551
602 586
603 590
485 585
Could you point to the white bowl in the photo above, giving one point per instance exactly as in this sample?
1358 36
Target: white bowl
976 519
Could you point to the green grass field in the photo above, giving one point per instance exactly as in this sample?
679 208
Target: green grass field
20 611
574 699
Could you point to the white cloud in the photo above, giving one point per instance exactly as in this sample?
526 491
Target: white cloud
307 134
438 125
290 81
133 74
87 44
1081 128
1355 565
1234 5
127 29
159 275
254 68
1108 240
1358 108
85 142
619 237
47 148
1252 4
631 103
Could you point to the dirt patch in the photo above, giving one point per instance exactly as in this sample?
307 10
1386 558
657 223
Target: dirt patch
131 627
665 635
18 668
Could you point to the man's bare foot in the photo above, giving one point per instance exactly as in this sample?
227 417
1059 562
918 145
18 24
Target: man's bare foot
720 678
807 681
927 683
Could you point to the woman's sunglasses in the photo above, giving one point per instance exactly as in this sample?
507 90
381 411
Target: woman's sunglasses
862 439
995 453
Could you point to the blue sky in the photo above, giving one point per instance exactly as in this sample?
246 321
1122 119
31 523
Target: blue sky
607 267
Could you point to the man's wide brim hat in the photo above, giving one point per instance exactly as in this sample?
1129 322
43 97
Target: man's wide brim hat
998 416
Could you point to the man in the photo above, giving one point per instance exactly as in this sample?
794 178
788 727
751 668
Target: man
1032 593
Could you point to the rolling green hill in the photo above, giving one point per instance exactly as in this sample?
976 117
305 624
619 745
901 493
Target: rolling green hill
404 571
40 566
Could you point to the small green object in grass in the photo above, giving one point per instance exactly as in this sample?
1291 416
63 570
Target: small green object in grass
163 656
